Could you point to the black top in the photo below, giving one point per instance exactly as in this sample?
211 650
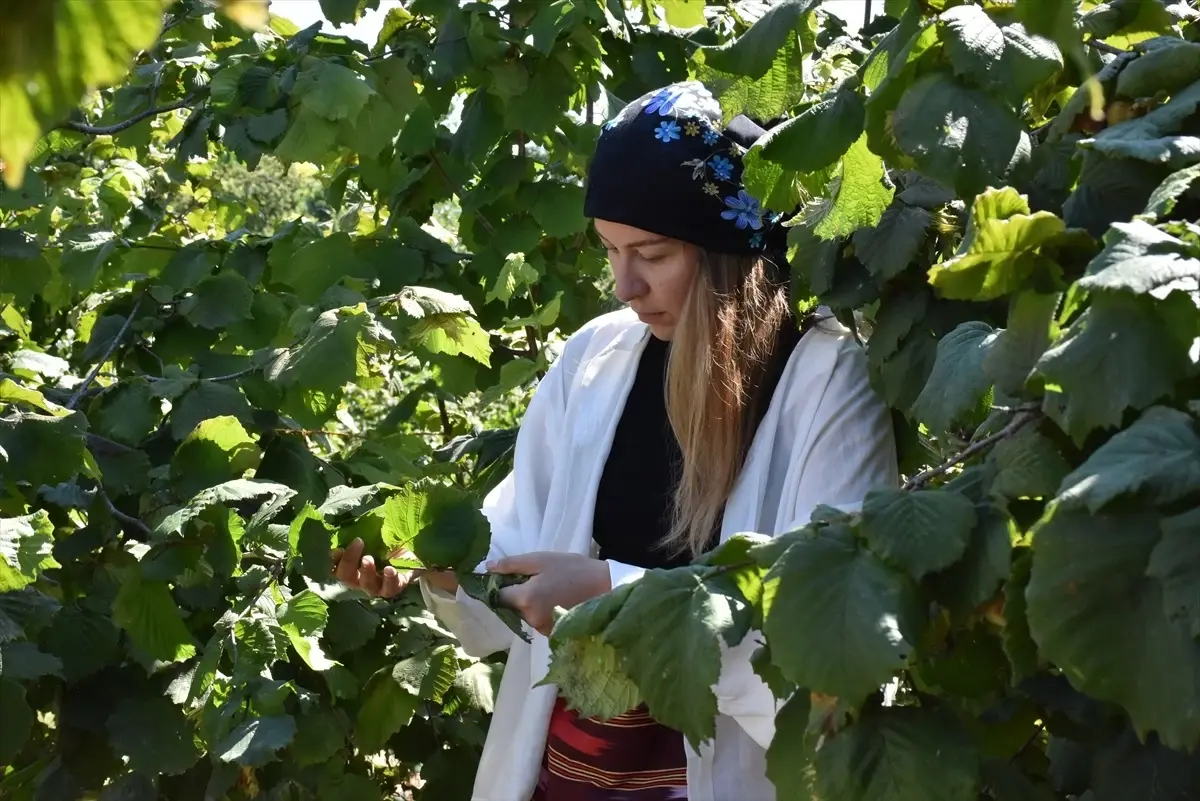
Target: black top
633 502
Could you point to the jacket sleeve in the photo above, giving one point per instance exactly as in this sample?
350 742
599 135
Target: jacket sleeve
514 509
842 446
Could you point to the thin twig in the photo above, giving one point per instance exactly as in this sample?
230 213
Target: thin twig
1105 47
1018 422
459 191
315 432
117 127
230 377
128 520
91 376
447 426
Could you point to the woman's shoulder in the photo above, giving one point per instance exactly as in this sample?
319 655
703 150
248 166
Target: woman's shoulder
828 353
620 328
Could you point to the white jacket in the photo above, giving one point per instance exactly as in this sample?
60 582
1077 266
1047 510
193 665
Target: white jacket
826 439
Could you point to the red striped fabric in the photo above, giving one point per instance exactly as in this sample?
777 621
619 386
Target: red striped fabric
628 758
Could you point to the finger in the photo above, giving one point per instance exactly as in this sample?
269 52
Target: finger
393 582
347 569
368 577
335 557
515 597
525 564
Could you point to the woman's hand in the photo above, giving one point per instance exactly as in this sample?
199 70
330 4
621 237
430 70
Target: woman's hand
355 570
556 579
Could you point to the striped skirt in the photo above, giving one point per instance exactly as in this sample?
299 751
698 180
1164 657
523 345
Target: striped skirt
628 758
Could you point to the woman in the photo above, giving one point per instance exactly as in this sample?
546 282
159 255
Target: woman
762 419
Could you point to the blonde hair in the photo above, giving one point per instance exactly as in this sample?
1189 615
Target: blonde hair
724 340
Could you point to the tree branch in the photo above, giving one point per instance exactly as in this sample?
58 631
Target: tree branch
1105 47
91 376
1022 418
128 520
117 127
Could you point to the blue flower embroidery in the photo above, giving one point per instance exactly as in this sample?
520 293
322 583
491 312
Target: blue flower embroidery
711 137
667 131
663 101
722 168
744 210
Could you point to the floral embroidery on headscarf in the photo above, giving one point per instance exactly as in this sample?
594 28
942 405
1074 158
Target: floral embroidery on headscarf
663 102
721 167
691 128
744 210
667 131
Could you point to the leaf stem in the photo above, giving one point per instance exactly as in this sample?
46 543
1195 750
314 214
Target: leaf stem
112 346
1019 421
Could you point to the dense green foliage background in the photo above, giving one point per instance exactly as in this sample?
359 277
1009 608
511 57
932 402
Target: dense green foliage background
265 289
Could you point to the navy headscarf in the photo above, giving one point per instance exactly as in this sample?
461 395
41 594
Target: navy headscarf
667 164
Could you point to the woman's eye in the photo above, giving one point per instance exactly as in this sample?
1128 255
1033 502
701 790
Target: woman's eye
653 257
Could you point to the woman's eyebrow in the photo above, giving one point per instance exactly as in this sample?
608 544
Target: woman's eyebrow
641 243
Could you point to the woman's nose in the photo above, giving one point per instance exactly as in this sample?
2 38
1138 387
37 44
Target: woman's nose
629 285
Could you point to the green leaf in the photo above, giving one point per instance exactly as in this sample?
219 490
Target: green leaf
827 577
790 756
306 612
1175 562
997 254
218 301
752 53
316 266
335 352
976 576
331 91
899 754
958 384
1028 465
24 661
921 531
453 335
18 720
26 549
1164 199
147 612
515 274
187 268
1018 644
320 734
1119 343
154 734
11 392
128 414
889 247
441 525
218 450
42 449
587 672
374 128
861 195
1017 348
309 137
974 43
765 98
1167 69
682 13
558 208
83 640
419 132
428 676
958 136
667 634
55 57
229 492
1142 259
386 708
1159 137
819 136
1095 614
207 400
256 741
1157 458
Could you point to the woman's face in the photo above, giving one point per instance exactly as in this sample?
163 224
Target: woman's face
653 273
